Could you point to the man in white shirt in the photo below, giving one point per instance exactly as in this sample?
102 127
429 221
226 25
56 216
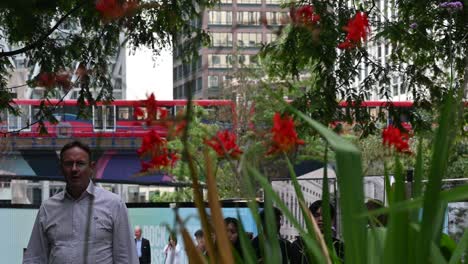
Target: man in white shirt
84 223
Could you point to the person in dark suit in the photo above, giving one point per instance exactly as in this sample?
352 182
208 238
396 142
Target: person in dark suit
286 249
143 247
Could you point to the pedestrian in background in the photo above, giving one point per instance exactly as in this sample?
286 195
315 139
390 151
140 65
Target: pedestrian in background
172 251
143 247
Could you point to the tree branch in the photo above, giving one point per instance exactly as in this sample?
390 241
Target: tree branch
41 39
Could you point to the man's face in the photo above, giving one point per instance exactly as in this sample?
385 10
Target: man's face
77 169
200 242
232 233
137 233
318 218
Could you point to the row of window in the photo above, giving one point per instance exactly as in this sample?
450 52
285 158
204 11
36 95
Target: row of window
244 39
182 91
184 70
214 81
252 18
228 60
252 2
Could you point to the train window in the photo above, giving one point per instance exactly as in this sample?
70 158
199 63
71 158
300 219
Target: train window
22 121
3 120
124 113
104 118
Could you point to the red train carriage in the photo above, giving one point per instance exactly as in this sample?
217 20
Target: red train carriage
115 119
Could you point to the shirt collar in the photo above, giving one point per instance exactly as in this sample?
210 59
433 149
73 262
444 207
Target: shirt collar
90 190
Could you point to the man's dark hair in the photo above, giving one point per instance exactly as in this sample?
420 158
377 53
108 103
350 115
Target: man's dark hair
199 233
318 204
73 144
232 220
374 204
277 214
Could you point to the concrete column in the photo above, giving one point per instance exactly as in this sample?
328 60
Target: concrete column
45 190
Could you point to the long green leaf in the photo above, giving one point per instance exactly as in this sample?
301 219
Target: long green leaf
351 191
432 213
462 247
396 246
327 225
309 242
248 253
305 211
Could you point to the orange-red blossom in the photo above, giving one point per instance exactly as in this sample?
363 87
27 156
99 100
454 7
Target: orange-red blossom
284 134
224 143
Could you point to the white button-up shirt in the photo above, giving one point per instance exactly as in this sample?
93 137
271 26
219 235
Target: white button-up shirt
91 229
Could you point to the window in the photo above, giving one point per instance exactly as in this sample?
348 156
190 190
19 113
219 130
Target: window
199 84
248 18
213 81
241 59
221 39
249 39
257 2
180 72
273 2
247 60
226 1
219 61
123 113
220 18
270 37
395 85
276 18
227 78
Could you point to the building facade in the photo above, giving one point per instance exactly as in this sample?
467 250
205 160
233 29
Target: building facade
24 70
237 28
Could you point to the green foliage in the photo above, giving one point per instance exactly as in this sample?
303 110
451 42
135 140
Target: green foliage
179 195
59 35
425 47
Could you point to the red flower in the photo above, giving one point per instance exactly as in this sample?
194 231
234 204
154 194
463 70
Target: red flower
180 127
63 80
152 110
156 147
138 112
46 80
150 143
392 136
305 15
161 161
357 28
113 9
51 80
225 143
284 134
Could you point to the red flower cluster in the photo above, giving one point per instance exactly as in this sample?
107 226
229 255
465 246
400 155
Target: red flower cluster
224 142
305 15
284 134
50 80
155 146
152 110
357 28
392 136
113 9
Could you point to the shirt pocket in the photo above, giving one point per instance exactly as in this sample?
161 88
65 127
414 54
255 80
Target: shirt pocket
103 231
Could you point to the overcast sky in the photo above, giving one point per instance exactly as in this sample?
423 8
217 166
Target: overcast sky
145 76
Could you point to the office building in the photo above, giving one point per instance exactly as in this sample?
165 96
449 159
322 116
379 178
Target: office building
238 28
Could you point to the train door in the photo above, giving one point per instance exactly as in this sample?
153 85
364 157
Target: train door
104 118
22 121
